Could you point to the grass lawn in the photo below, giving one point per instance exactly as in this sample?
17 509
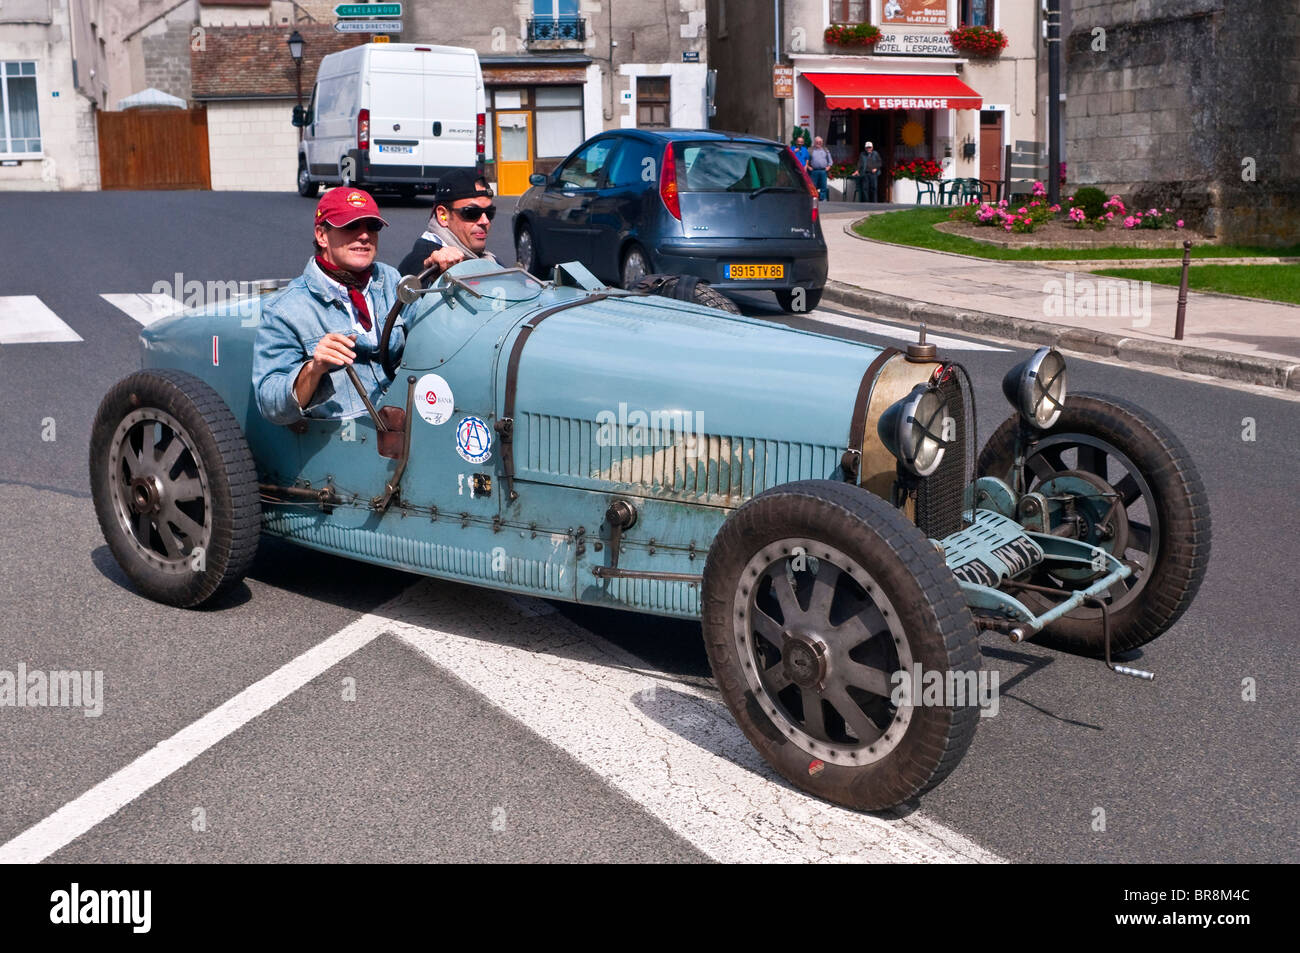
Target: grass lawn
914 227
1274 282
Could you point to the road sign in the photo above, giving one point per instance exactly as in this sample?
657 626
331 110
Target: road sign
783 82
368 10
368 26
379 38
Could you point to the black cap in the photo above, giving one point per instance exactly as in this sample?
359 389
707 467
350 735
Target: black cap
461 184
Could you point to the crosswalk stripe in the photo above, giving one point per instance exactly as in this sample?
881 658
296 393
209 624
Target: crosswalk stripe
145 308
26 319
899 334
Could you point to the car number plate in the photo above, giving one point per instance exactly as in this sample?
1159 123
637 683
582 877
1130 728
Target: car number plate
749 272
405 149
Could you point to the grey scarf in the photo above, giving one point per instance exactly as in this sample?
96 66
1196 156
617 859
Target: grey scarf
435 230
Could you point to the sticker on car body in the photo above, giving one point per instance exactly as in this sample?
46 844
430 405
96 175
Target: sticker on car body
474 440
433 399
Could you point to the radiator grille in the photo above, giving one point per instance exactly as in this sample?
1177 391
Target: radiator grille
939 498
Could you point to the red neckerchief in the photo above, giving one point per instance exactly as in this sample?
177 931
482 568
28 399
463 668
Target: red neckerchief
355 282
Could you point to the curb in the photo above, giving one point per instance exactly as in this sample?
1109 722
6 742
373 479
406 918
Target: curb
1244 368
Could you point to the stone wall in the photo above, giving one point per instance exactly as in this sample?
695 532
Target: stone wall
165 48
1187 101
251 147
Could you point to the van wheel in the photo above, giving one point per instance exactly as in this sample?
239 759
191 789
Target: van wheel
306 187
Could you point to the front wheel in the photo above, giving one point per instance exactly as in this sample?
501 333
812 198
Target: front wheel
174 487
636 265
306 187
798 300
526 255
816 594
1115 478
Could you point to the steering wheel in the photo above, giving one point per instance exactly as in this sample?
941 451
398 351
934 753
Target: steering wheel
408 291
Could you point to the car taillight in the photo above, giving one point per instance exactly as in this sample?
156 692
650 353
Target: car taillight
807 181
668 183
480 135
363 130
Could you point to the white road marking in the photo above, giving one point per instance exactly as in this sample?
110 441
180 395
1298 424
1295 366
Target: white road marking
145 308
901 334
26 319
671 747
112 794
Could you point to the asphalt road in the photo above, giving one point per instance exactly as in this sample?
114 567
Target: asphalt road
435 762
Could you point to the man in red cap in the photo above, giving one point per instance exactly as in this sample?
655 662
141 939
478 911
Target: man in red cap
328 316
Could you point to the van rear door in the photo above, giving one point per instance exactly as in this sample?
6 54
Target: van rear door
451 106
397 112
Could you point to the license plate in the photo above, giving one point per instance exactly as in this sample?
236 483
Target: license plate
752 272
404 149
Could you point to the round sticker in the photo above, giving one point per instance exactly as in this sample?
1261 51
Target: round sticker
474 440
433 399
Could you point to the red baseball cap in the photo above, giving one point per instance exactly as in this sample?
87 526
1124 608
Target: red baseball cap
344 205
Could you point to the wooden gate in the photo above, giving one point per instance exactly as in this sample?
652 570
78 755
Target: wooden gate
154 149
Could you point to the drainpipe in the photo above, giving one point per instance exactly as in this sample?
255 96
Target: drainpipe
776 61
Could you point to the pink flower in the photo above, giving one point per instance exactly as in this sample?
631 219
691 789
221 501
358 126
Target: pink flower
1179 223
1054 209
1131 222
1022 210
1153 212
1110 215
1007 227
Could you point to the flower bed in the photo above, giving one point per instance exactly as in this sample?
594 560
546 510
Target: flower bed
917 169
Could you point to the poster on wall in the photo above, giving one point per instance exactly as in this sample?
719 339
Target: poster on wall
914 12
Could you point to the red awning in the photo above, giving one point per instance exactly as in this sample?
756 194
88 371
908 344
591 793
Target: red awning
894 91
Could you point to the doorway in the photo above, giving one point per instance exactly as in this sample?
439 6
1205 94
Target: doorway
991 146
514 152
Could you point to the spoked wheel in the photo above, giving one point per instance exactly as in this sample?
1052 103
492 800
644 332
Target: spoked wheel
816 594
1116 479
174 487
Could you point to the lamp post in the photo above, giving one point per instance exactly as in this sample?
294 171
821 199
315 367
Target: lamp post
296 44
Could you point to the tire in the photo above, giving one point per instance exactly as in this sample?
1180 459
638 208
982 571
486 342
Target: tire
786 298
526 252
1165 506
306 187
154 519
636 265
876 563
407 193
687 288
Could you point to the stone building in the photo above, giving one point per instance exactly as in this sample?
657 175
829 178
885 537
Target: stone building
911 94
52 78
558 71
1191 104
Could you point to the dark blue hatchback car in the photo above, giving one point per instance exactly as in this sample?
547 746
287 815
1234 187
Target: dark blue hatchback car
734 210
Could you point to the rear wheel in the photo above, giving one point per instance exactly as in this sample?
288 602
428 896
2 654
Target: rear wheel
798 300
636 265
815 594
687 288
306 187
174 487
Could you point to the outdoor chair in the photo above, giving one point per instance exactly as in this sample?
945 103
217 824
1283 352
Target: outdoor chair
927 187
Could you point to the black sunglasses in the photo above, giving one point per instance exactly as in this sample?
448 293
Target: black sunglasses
472 213
369 224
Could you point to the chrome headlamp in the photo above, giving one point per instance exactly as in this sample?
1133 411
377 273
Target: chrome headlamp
916 430
1036 387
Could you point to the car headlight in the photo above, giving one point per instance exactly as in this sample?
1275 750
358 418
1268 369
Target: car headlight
1036 387
916 430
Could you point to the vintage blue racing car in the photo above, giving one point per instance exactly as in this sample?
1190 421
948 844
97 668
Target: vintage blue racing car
819 504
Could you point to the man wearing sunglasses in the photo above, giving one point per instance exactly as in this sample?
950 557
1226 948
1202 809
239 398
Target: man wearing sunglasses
328 318
458 228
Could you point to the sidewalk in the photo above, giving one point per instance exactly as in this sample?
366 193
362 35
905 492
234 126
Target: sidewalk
1235 338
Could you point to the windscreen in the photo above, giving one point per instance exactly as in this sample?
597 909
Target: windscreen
735 167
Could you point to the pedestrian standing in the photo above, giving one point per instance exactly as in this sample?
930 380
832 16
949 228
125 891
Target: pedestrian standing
800 151
819 163
869 166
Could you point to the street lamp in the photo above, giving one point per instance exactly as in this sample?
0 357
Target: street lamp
296 44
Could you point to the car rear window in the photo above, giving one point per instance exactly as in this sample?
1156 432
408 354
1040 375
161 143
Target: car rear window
734 167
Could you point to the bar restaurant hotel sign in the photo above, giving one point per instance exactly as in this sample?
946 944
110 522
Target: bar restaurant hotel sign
899 33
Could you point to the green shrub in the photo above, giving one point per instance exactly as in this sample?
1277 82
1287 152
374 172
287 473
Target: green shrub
1091 199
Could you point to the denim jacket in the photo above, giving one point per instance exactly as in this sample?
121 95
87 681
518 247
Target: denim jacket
292 324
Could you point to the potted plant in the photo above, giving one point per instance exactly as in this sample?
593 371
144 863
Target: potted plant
907 174
856 34
978 40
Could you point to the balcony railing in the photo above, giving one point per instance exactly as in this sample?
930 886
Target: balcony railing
557 28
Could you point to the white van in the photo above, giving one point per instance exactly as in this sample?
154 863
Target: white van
392 116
